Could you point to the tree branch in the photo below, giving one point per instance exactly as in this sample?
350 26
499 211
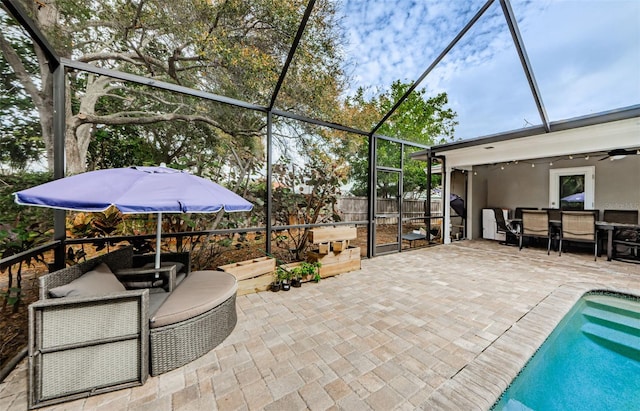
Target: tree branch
20 70
141 117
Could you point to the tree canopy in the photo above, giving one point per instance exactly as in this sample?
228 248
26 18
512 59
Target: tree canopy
234 48
420 119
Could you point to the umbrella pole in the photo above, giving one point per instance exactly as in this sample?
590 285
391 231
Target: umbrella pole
158 235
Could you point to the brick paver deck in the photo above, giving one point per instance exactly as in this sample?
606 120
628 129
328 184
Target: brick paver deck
445 328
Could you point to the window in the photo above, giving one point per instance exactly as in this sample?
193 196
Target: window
572 188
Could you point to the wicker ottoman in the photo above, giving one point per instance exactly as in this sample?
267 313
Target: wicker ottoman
198 315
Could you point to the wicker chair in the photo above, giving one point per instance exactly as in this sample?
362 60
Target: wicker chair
80 346
535 223
579 226
87 345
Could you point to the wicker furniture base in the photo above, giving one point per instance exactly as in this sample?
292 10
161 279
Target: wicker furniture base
82 346
175 345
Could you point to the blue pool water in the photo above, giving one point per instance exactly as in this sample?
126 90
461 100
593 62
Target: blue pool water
591 361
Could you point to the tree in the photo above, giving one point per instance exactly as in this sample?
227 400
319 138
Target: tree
20 142
306 189
233 48
418 119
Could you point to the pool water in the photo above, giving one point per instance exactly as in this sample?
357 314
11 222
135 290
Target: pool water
591 361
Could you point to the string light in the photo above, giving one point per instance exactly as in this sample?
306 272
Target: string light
586 157
501 167
550 163
532 165
570 157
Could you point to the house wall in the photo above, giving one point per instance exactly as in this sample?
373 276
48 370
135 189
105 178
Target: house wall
617 183
479 196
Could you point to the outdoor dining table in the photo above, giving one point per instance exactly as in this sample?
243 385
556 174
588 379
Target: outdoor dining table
610 228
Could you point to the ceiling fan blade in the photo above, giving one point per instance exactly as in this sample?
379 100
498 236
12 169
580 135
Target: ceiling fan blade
621 152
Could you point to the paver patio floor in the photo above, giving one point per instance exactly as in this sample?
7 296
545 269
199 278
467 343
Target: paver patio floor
446 327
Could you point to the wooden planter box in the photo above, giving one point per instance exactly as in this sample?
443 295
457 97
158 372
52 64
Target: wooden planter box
326 235
336 262
339 246
253 275
251 268
256 284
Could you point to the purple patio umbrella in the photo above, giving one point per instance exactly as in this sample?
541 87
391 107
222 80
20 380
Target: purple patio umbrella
135 190
574 198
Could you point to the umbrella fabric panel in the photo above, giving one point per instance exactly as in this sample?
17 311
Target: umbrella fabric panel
135 190
179 193
91 191
577 197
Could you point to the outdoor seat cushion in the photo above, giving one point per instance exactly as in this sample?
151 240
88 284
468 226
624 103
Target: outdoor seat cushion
198 293
156 299
98 281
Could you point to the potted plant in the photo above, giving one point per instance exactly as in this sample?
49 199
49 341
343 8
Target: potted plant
296 277
284 276
276 285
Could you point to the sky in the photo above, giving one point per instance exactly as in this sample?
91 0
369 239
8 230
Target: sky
585 55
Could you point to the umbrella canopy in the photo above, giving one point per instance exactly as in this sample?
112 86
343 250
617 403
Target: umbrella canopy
135 190
577 197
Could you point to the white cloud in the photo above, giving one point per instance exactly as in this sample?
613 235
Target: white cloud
585 55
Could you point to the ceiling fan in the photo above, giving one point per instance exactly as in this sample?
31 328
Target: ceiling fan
619 153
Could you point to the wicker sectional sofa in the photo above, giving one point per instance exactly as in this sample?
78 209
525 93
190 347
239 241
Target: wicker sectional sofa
115 336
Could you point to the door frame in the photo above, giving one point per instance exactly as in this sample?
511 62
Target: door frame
393 247
589 173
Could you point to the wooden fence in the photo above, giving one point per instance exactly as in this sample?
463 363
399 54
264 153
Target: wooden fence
355 209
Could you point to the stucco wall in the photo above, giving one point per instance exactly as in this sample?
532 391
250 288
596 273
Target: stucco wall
617 183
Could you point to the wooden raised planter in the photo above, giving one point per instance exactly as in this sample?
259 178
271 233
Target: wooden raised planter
329 234
334 262
253 275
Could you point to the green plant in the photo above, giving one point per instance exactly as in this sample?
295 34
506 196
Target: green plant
309 270
14 242
283 274
12 296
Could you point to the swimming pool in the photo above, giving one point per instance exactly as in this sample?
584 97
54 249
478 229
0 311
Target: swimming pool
591 361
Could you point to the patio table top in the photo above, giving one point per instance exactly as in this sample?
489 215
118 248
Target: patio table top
446 327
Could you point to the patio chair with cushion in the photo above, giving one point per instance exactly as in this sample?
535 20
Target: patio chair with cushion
554 213
503 227
518 212
107 323
626 240
579 226
621 216
535 223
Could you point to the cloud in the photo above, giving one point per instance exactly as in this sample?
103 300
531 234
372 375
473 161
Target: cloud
585 55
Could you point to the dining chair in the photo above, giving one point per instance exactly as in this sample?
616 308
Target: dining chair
518 212
535 223
579 226
554 213
621 216
623 237
504 227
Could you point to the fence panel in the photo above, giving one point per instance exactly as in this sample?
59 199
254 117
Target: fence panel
355 208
